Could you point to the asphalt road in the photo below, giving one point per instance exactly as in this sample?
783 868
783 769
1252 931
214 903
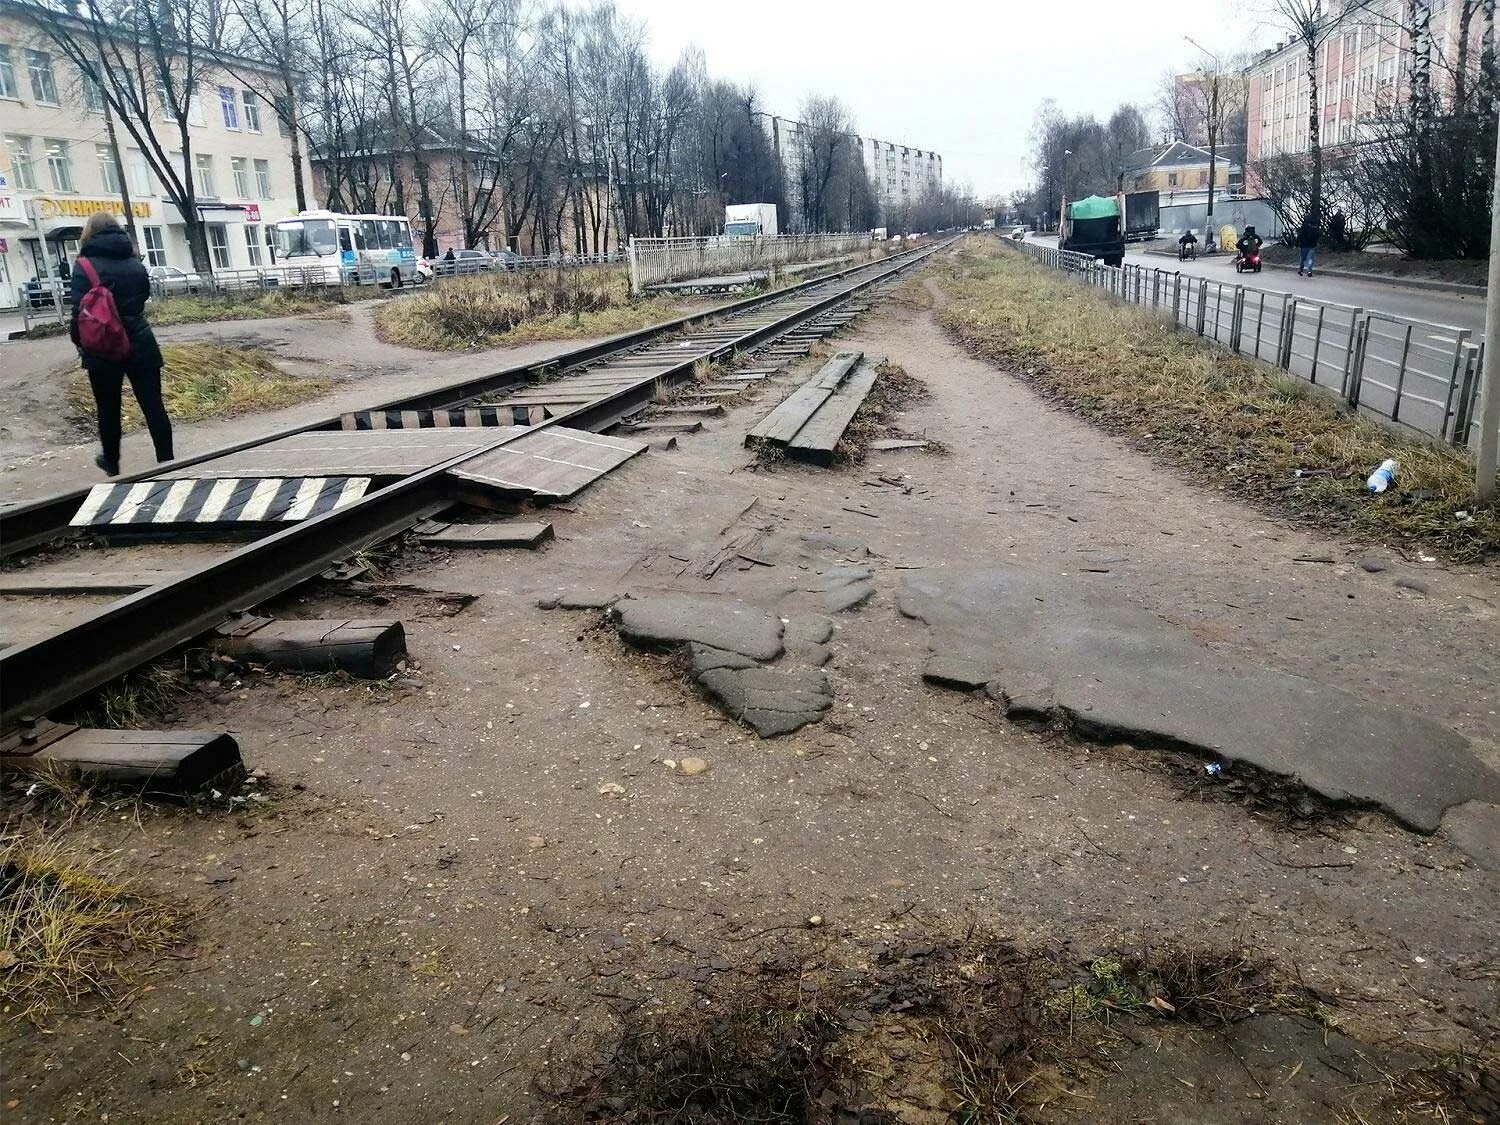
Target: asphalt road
1455 309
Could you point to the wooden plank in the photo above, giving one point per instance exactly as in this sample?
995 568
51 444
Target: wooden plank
40 580
816 440
667 426
782 424
555 463
347 453
369 648
698 409
526 535
179 759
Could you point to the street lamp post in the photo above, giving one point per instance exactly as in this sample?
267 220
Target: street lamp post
1489 382
1210 113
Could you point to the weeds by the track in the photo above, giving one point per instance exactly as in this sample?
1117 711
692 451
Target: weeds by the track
1236 424
68 926
197 308
203 381
488 310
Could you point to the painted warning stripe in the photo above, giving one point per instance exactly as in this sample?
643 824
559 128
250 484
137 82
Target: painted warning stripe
227 500
422 419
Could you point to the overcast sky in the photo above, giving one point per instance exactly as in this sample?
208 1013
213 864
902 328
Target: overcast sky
961 78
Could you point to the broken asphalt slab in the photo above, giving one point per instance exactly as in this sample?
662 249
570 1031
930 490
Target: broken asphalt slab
667 620
1044 647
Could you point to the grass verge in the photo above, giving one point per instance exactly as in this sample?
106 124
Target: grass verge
509 308
197 308
202 381
67 927
1233 423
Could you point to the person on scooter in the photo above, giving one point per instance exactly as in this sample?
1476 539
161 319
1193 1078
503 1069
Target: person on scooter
1187 246
1249 243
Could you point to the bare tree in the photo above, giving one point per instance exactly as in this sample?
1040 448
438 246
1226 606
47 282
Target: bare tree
1207 103
276 34
1310 23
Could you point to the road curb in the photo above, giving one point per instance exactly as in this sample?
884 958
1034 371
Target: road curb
1355 275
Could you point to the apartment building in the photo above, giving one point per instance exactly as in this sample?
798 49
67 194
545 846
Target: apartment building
900 174
57 166
1361 68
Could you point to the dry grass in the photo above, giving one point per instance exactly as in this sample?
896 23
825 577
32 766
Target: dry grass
202 381
490 310
195 308
1237 424
67 927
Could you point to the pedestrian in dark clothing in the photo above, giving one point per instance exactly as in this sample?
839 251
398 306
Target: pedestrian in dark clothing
107 247
1307 242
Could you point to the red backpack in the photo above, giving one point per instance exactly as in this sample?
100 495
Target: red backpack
101 332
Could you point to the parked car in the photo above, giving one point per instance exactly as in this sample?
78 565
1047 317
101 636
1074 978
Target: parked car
167 280
1018 234
506 259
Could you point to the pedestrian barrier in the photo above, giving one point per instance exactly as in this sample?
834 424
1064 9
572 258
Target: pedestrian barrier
655 260
1420 375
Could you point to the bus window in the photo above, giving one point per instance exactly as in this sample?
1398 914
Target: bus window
398 233
369 231
301 237
344 241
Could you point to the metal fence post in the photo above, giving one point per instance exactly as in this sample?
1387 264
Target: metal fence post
1458 348
1401 376
1288 332
1236 318
1465 411
1202 302
1177 300
1354 322
1357 372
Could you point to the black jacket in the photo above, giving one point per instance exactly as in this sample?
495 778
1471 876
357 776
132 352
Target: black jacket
115 261
1307 236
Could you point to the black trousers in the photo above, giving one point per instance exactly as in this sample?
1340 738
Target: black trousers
107 380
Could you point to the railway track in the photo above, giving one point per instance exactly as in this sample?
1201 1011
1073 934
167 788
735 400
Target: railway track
321 493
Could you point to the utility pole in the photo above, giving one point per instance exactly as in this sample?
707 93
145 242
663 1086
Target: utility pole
1489 378
1212 111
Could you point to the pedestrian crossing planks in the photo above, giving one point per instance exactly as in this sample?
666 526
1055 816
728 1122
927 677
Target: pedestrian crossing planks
216 500
553 463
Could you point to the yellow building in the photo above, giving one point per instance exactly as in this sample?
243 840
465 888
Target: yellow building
1181 167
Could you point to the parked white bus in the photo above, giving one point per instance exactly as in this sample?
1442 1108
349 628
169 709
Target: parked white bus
349 249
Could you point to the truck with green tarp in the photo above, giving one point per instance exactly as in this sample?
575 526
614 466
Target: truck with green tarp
1094 226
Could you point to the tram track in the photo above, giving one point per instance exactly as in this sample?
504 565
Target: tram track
56 669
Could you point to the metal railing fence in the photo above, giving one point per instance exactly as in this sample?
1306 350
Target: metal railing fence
655 260
1421 375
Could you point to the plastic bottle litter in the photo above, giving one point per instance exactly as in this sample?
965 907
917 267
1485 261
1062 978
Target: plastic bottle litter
1214 769
1382 477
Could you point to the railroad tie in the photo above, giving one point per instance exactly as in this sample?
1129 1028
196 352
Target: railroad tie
223 500
424 419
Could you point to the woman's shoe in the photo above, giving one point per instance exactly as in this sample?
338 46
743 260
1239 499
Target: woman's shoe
111 468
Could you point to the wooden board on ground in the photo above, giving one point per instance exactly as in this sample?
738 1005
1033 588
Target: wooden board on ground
526 535
554 463
366 648
816 440
217 500
677 426
44 580
781 425
172 759
351 453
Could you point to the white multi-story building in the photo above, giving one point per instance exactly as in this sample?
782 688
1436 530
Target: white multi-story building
900 174
57 166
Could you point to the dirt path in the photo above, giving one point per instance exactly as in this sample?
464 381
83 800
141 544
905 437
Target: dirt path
447 910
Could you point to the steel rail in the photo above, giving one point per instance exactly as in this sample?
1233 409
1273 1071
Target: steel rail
63 666
35 522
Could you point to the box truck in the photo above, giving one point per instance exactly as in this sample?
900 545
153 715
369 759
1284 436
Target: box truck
747 220
1094 226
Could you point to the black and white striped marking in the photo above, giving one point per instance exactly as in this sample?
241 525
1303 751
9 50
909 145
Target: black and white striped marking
425 419
226 500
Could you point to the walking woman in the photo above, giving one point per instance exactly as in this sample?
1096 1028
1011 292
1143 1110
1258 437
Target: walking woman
107 254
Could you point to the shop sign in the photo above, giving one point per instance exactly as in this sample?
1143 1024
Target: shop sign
252 212
49 208
10 203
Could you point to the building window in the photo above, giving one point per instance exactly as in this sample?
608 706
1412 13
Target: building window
59 164
140 173
93 96
252 243
203 164
43 85
1171 179
218 245
229 105
1202 179
109 169
263 178
195 110
8 87
156 251
22 168
241 168
283 114
252 111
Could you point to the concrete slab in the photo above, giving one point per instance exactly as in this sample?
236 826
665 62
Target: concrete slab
721 623
1121 674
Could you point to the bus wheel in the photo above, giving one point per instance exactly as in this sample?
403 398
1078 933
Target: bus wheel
395 279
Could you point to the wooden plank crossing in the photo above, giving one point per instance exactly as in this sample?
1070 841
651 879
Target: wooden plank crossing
816 440
554 463
520 533
216 500
423 419
178 759
349 453
781 425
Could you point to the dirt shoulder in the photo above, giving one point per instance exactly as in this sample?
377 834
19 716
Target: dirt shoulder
468 890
